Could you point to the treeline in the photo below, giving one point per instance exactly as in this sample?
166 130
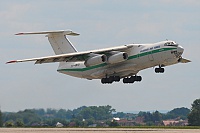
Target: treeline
84 116
100 115
153 118
49 117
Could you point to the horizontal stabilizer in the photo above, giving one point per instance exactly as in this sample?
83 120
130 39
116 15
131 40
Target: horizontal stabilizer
67 32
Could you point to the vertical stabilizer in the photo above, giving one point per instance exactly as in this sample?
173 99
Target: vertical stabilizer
60 43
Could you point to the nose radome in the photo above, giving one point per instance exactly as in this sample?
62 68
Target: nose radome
180 49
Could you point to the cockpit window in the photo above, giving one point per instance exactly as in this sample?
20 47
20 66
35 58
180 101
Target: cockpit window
171 44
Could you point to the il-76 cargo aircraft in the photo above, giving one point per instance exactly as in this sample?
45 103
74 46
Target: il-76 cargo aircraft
109 64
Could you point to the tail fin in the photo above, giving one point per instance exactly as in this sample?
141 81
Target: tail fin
58 41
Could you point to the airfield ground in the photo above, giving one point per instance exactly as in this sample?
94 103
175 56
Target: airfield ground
95 130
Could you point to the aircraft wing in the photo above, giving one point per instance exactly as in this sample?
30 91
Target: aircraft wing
76 56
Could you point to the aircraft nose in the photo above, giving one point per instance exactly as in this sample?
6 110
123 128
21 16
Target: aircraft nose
180 50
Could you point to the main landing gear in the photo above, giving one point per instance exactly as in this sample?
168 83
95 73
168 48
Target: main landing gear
111 79
132 79
159 70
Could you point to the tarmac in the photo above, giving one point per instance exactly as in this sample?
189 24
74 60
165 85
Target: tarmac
96 130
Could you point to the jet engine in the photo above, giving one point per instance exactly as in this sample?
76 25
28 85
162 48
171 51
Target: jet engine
117 57
95 60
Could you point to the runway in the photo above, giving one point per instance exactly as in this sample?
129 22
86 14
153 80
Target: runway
96 130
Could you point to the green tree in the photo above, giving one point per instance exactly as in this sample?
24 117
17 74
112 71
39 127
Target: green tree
120 115
19 123
51 111
12 116
151 118
29 116
78 110
9 124
177 112
157 116
40 112
194 116
1 119
90 122
69 114
148 117
96 113
112 123
61 113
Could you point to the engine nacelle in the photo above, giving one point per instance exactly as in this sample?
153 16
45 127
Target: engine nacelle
117 57
95 60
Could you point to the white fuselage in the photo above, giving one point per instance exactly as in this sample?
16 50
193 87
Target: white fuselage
140 56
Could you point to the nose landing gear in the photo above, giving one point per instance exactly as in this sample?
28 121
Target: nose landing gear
159 70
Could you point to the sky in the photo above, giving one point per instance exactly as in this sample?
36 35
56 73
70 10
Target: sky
101 24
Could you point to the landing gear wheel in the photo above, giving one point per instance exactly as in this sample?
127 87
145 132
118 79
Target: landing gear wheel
116 78
156 70
159 70
103 80
138 78
125 80
162 70
110 80
132 79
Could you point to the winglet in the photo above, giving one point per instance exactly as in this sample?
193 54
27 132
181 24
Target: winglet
12 61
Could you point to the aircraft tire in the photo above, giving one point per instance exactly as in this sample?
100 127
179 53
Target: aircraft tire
110 79
128 80
116 78
132 79
138 78
124 80
103 80
162 70
159 70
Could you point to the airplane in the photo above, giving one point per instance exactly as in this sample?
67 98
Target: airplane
109 64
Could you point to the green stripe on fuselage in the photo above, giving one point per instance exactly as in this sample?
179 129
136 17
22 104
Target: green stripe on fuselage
129 58
84 69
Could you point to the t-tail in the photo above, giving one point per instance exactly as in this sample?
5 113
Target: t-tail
58 40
